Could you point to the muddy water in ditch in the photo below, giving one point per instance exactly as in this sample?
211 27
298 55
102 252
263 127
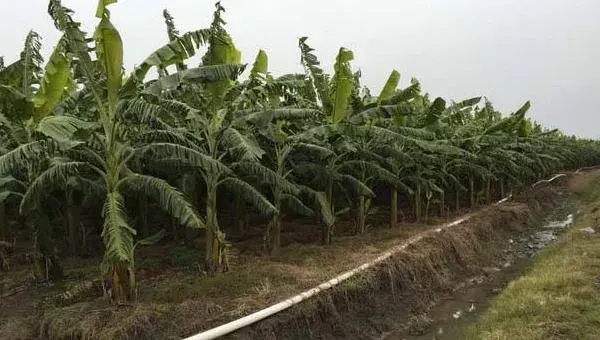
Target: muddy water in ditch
449 318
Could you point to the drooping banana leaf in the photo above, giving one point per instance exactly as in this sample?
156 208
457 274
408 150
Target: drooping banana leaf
56 83
319 79
174 52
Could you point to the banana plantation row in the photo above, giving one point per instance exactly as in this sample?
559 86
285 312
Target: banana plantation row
81 138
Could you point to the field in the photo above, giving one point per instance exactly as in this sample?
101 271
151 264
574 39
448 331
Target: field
196 188
176 301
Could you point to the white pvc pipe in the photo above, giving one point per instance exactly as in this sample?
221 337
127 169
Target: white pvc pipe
276 308
262 314
548 180
283 305
587 168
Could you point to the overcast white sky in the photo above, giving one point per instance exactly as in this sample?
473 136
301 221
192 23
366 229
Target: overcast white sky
508 50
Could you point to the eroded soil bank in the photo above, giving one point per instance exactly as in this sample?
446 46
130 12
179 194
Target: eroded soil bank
419 291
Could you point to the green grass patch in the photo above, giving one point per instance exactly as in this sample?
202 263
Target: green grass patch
559 297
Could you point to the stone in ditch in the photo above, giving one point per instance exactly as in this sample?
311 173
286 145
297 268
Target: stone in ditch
588 230
545 236
490 270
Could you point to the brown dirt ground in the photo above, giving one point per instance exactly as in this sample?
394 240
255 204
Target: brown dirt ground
175 300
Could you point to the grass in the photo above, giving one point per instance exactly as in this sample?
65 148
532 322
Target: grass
559 298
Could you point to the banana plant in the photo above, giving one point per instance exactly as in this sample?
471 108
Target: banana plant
370 168
390 110
284 192
275 126
213 141
204 155
108 153
34 132
335 97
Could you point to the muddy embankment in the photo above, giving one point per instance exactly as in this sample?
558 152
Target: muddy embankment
397 295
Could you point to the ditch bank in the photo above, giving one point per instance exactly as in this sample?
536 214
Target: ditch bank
558 297
398 294
450 318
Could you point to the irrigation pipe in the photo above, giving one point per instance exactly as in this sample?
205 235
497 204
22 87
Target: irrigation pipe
595 167
283 305
548 180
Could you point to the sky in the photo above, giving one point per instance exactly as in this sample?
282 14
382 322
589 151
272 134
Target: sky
510 51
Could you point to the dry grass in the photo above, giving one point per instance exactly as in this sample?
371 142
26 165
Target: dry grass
560 296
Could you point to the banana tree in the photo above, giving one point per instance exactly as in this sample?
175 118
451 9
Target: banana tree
281 148
212 141
391 111
276 125
205 157
369 167
335 97
34 132
108 153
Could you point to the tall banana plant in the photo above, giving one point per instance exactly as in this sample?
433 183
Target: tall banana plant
108 154
335 97
276 126
390 110
284 193
216 146
205 155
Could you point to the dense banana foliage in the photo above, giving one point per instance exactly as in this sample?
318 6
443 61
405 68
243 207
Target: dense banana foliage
87 150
